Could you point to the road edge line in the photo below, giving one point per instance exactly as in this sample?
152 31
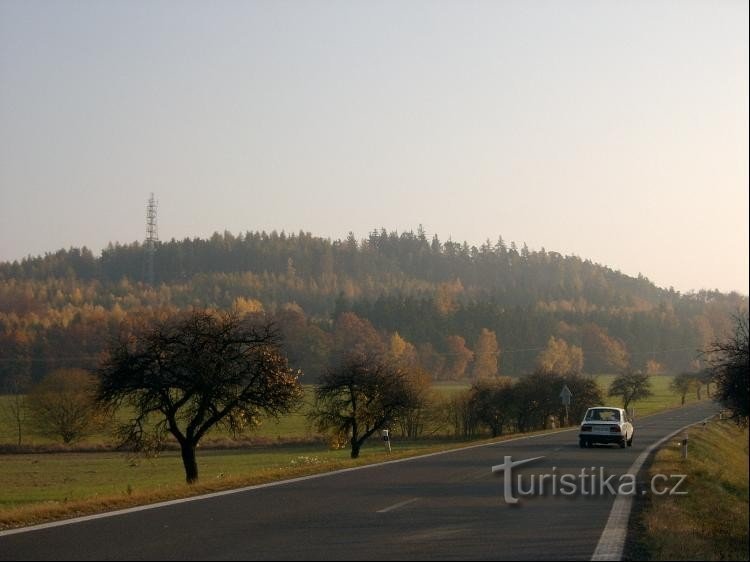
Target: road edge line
612 540
168 503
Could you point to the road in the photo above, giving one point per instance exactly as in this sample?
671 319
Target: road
445 506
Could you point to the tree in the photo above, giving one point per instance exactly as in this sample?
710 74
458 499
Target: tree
729 364
458 358
493 403
486 354
603 353
559 357
413 420
684 383
586 394
354 335
360 396
186 375
16 407
537 399
459 414
631 386
63 405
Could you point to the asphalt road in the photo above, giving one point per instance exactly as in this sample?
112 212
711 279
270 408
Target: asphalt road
445 506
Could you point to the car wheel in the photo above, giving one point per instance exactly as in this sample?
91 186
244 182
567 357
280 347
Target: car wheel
582 443
622 444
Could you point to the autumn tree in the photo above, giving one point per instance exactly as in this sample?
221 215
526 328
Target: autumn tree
63 405
353 335
188 374
413 421
361 395
559 357
458 357
603 352
486 356
401 352
631 386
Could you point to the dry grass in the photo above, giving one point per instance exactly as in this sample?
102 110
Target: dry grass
711 521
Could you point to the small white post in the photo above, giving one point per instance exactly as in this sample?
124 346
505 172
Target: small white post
386 441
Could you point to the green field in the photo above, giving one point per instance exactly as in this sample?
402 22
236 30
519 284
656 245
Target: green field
662 399
295 427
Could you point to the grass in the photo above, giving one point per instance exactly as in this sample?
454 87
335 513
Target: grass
711 521
43 487
663 398
37 487
295 426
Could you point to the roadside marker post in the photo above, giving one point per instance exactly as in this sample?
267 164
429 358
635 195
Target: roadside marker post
386 441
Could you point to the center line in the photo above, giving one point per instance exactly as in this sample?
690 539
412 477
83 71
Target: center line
396 506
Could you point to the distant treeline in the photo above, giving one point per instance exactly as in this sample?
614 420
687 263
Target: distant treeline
460 311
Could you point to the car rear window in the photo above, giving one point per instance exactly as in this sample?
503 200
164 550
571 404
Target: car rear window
603 414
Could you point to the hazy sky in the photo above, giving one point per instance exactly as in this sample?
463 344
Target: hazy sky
616 131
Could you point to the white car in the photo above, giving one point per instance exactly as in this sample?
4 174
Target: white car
605 424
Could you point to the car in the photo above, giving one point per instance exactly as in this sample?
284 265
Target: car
605 424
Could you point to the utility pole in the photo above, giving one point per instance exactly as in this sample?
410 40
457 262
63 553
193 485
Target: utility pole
152 237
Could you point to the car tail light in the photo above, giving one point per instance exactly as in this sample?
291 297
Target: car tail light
586 428
615 429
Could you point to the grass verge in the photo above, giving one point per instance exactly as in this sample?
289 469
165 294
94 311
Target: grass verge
711 521
40 488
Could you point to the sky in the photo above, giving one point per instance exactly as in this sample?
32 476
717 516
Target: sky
614 131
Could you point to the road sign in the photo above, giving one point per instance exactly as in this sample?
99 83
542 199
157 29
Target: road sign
565 395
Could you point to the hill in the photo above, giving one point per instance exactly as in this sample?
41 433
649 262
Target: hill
444 304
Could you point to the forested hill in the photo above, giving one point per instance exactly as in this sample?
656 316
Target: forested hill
386 261
450 304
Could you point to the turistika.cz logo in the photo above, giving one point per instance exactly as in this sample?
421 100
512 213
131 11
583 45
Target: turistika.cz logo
591 481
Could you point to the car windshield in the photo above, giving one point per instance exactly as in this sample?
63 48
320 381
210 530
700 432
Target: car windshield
603 414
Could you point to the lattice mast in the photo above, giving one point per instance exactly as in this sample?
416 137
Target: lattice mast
152 238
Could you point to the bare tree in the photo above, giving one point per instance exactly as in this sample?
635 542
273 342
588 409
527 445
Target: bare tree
364 394
730 366
64 405
16 407
189 374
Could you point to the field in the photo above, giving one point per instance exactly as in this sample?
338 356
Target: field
50 485
295 428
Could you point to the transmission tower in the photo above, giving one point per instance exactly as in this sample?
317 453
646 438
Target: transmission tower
152 238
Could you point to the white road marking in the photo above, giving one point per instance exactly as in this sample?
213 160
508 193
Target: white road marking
612 541
259 486
396 506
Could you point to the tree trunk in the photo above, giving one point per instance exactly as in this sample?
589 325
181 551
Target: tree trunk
188 460
355 448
